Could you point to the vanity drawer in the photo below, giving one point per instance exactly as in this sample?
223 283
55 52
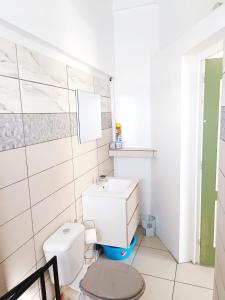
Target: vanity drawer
132 226
132 203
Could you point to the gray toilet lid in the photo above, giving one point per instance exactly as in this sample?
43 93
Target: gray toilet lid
112 280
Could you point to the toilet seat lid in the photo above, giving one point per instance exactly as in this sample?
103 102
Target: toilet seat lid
112 280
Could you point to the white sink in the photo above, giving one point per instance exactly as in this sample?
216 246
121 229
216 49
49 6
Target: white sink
113 187
113 206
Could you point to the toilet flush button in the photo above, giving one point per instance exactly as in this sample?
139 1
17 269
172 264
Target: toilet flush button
66 230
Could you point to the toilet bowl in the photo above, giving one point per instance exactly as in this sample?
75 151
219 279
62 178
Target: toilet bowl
107 279
104 279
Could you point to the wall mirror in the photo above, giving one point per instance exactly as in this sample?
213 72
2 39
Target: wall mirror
88 116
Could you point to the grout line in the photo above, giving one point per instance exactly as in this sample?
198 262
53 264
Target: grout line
21 246
51 194
71 142
18 215
54 218
167 251
42 83
5 187
25 178
8 76
56 191
43 113
170 280
25 149
174 282
63 162
51 167
50 140
175 272
31 145
13 148
199 286
173 291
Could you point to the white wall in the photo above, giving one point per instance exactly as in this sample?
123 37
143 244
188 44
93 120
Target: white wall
174 121
136 39
126 4
178 16
80 28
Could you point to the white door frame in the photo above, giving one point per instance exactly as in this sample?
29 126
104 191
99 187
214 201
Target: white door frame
208 53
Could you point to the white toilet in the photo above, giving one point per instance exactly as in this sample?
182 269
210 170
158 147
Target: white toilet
67 243
102 280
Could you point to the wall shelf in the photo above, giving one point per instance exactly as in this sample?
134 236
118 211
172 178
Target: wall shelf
133 152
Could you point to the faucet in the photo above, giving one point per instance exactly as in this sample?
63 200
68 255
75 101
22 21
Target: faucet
101 178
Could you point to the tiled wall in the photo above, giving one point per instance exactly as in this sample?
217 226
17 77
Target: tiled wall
43 169
219 287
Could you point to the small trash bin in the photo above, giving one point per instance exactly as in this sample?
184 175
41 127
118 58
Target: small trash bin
149 225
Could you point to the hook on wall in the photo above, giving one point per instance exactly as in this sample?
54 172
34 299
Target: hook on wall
217 5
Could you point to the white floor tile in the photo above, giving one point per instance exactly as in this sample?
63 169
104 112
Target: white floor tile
195 275
153 242
155 262
190 292
157 289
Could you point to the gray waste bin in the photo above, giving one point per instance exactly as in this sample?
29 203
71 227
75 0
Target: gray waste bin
149 225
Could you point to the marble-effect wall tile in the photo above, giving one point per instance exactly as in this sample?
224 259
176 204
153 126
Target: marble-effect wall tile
40 98
9 95
102 86
106 120
34 66
39 128
38 110
222 129
79 80
11 131
8 63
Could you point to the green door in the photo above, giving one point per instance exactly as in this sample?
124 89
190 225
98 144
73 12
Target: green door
213 75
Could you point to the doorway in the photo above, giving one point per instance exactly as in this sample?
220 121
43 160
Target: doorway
211 104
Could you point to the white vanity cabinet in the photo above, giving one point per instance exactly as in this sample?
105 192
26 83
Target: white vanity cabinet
114 207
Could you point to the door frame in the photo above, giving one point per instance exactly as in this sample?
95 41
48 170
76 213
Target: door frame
209 53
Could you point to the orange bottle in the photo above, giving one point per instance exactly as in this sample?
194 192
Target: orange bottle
118 142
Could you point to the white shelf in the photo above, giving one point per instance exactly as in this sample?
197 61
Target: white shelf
133 152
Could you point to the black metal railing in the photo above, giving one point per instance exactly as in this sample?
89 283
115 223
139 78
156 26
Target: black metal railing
21 288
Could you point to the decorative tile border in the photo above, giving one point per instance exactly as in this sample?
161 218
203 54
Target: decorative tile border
222 128
11 131
40 128
106 120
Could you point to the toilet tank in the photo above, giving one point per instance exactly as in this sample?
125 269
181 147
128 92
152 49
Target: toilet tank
67 243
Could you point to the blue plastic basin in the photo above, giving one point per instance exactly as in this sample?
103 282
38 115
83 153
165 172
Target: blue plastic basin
117 253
